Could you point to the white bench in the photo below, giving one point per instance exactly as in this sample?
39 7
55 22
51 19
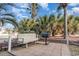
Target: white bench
29 37
4 37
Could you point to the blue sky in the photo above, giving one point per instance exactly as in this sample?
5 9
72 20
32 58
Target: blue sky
45 9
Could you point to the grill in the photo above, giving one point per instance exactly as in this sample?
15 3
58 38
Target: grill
45 35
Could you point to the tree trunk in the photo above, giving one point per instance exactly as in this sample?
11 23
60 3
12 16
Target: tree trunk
52 32
65 25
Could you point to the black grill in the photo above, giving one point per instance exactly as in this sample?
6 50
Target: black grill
45 35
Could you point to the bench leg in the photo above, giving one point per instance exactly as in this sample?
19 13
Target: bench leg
0 49
27 46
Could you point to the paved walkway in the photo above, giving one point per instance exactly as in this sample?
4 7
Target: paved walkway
52 49
4 53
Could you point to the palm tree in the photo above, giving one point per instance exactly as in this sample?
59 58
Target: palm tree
43 23
27 25
52 24
60 26
64 7
44 27
55 24
2 5
33 9
9 18
23 25
6 16
76 24
70 24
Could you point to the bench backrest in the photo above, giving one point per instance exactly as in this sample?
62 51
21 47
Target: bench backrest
29 37
4 37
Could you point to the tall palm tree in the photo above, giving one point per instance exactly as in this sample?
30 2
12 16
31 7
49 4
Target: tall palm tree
33 9
64 7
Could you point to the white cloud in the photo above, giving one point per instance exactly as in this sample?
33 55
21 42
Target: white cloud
18 13
24 5
44 5
22 16
53 11
23 10
15 10
70 12
73 4
75 9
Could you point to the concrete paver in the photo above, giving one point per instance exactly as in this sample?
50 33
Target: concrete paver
4 53
52 49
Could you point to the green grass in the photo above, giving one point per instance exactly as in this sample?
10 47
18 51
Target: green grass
74 50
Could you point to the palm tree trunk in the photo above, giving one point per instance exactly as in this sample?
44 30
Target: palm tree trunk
65 25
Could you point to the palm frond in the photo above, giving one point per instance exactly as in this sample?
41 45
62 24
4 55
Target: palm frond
8 14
